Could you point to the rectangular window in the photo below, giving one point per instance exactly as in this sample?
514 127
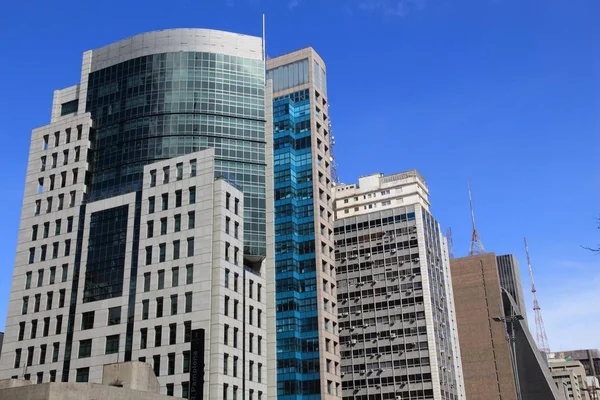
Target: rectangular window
75 175
46 330
235 366
259 345
189 274
59 320
193 167
156 366
185 389
53 375
72 195
161 279
85 348
25 305
190 247
153 178
173 304
162 252
227 222
235 309
250 314
40 280
250 370
34 232
172 334
46 229
30 351
227 278
112 344
179 168
227 200
28 276
166 173
157 336
236 228
186 362
54 250
69 224
235 337
236 277
176 249
171 364
151 204
145 309
163 226
61 202
67 247
148 255
236 255
259 318
226 306
52 275
87 320
57 227
170 389
77 153
251 342
114 316
188 302
150 229
33 329
192 196
38 207
146 281
259 375
55 350
43 255
175 277
187 331
191 220
21 331
31 255
225 387
225 363
65 272
165 201
227 246
82 375
177 219
159 307
225 334
49 297
178 196
143 338
36 306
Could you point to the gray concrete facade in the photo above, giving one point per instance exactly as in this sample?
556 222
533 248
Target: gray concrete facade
398 332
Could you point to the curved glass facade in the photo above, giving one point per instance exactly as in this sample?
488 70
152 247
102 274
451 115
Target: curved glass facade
170 104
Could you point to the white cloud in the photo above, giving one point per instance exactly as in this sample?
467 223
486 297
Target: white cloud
293 4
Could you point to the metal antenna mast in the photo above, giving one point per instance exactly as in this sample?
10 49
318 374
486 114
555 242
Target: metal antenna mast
450 243
476 244
540 331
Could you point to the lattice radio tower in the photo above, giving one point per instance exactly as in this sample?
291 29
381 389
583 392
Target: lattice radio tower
540 331
476 243
450 243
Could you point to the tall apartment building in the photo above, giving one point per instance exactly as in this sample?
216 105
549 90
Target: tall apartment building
590 358
510 280
398 332
133 235
306 296
570 378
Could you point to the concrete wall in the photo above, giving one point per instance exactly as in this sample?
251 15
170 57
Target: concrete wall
76 391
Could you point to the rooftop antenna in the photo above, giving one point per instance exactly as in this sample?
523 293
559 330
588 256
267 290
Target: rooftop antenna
476 243
264 53
450 243
540 331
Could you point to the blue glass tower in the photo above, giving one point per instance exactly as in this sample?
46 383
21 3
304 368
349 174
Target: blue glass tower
306 323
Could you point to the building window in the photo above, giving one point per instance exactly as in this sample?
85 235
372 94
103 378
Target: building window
227 222
30 351
227 246
192 195
31 255
193 167
250 370
46 326
259 345
53 375
151 204
156 366
161 279
25 305
236 228
163 226
21 331
259 375
146 281
87 320
157 336
177 219
190 247
65 272
188 302
83 375
187 331
57 226
235 366
43 255
143 338
179 168
250 314
235 337
150 230
189 274
259 318
54 250
28 280
225 363
185 389
145 309
172 334
148 255
178 196
153 178
226 306
191 220
61 298
52 275
49 297
176 249
114 316
175 277
55 351
69 224
173 304
59 320
112 344
159 307
171 364
236 206
250 342
165 201
225 333
170 389
186 361
33 329
258 290
235 309
85 348
227 278
165 175
36 306
227 200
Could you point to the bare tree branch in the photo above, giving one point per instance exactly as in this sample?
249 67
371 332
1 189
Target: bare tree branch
597 248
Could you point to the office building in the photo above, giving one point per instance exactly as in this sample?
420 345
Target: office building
398 333
570 378
307 333
590 358
145 217
500 358
510 280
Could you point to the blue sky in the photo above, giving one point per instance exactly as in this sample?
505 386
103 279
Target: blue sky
505 93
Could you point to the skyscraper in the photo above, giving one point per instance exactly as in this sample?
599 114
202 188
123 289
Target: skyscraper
132 234
398 333
306 294
510 280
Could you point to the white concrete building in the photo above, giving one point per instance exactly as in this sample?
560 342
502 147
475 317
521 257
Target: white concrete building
398 332
569 376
